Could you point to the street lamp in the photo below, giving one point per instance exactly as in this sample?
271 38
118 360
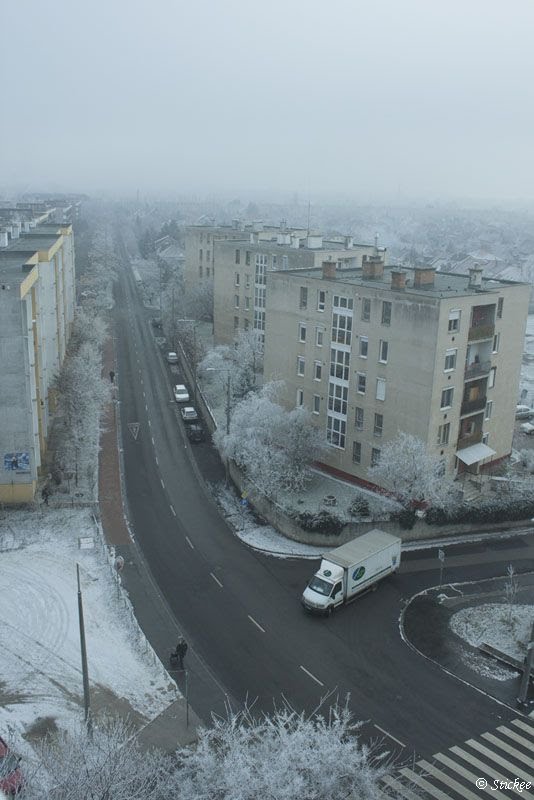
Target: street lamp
228 392
193 323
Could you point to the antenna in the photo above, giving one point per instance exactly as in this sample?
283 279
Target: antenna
309 211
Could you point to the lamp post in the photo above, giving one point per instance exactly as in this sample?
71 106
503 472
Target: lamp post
193 324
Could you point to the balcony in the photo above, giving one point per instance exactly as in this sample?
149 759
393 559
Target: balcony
468 440
478 332
477 369
470 406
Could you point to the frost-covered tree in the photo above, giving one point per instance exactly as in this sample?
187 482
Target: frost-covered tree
110 766
273 446
411 473
241 362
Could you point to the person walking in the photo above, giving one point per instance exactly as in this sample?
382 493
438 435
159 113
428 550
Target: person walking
181 650
111 376
45 494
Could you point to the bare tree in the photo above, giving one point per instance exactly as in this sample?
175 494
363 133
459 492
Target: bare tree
511 588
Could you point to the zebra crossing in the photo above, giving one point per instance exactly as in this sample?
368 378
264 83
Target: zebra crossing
498 764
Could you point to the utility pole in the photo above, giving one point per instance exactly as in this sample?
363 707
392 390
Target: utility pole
529 660
85 672
228 395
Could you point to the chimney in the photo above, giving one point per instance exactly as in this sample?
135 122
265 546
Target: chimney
329 270
423 277
372 268
475 277
295 241
15 230
314 241
26 226
398 279
3 239
349 241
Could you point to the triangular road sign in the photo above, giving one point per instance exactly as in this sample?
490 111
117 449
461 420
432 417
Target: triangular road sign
133 427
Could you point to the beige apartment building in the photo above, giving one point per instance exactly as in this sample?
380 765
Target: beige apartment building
375 350
240 286
37 296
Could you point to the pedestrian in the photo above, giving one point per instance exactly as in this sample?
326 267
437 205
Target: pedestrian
181 650
45 494
111 376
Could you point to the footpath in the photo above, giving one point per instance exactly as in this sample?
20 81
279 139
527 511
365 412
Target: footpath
177 725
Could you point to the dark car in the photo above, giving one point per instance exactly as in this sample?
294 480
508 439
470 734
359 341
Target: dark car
195 433
11 778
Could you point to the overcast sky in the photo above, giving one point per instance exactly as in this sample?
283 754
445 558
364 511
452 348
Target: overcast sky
370 99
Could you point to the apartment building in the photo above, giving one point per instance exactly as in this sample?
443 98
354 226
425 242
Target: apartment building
242 265
377 350
37 296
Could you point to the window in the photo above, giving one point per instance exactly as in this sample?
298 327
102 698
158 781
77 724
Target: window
316 404
339 364
236 323
379 425
200 271
300 397
485 438
359 418
247 303
357 452
208 238
341 328
236 282
302 332
360 382
364 346
446 398
319 335
274 262
366 309
443 433
303 301
236 301
375 457
454 320
343 302
450 360
301 364
246 323
500 304
237 256
317 370
284 262
383 352
380 388
247 281
337 398
208 255
321 300
386 312
489 409
200 255
335 432
247 258
496 343
492 377
201 237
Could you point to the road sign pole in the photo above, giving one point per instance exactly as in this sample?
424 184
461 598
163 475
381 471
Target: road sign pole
441 556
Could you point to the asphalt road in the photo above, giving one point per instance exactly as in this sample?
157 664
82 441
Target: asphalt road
240 611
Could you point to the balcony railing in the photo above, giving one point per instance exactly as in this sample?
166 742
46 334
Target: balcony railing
481 332
467 441
476 369
470 406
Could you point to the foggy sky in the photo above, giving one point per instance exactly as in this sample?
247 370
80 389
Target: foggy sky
369 99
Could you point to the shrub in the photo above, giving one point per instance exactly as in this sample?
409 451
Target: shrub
406 518
322 522
359 507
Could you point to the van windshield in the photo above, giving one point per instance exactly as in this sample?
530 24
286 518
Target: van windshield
320 586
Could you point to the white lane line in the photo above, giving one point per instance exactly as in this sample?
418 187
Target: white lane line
388 734
215 578
311 676
153 442
149 423
173 511
161 481
189 542
144 395
257 624
146 407
157 462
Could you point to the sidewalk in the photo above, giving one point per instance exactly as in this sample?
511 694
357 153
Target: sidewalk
176 726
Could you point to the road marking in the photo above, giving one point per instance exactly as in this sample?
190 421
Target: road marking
153 442
149 423
161 481
311 676
157 462
388 734
146 407
189 542
172 509
257 624
144 395
215 578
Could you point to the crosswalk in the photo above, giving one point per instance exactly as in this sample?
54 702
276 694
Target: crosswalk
498 764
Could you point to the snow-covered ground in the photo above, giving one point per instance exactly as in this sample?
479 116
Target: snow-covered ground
40 662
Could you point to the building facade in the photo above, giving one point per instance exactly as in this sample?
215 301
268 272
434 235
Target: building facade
377 350
37 299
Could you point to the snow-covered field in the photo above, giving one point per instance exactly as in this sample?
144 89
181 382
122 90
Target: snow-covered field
40 662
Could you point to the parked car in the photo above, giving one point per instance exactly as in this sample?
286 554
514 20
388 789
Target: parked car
189 414
156 323
181 395
172 358
524 412
11 777
527 427
195 433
